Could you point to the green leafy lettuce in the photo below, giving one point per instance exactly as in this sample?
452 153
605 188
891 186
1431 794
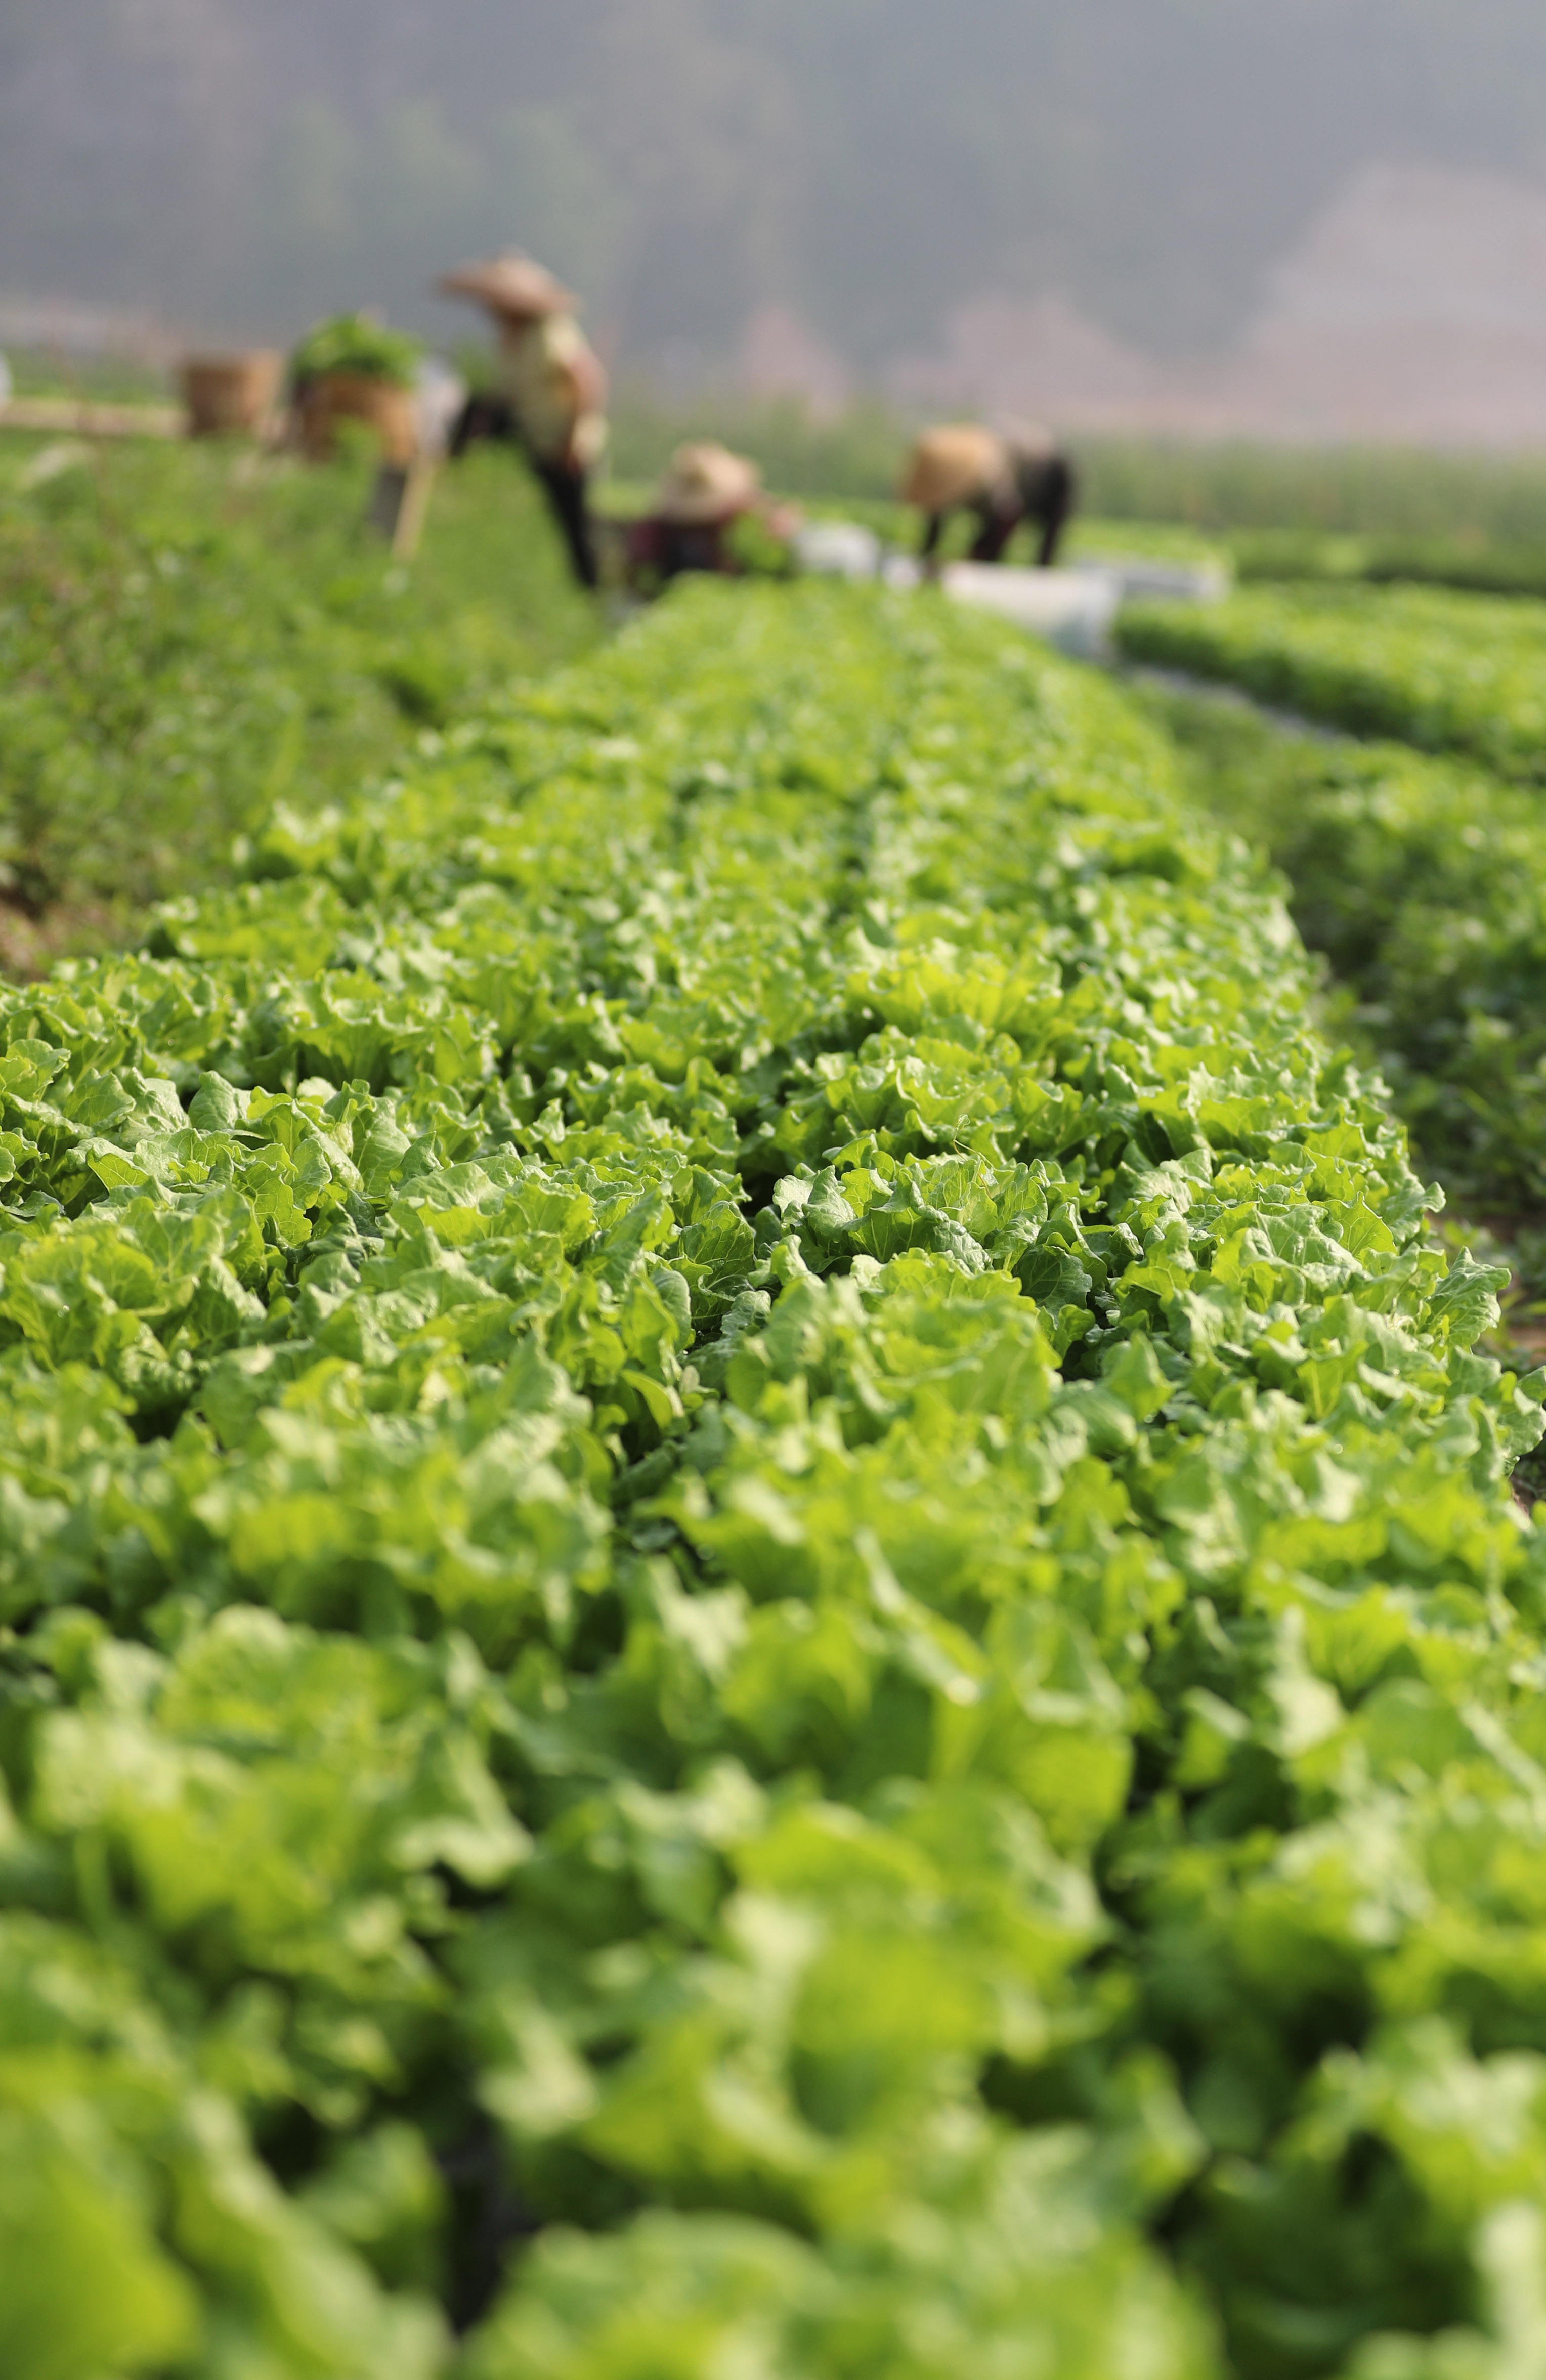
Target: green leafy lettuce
759 1607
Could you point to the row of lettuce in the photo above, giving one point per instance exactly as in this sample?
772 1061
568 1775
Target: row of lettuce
758 1609
1445 672
1423 881
1421 874
187 636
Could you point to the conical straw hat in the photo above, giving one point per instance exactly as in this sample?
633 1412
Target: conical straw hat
511 283
957 464
704 483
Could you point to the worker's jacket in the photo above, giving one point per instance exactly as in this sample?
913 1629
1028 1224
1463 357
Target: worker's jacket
557 390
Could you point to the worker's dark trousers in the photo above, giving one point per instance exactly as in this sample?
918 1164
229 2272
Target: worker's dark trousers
1043 498
487 415
1047 498
1050 501
566 493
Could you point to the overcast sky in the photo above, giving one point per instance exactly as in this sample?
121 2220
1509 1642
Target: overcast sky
241 165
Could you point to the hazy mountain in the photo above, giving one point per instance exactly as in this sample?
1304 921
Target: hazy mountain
867 167
1413 309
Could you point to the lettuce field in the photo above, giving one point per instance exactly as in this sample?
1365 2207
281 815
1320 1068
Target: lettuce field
759 1611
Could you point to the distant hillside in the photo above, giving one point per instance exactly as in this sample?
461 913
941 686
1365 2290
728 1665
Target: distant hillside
738 180
1414 308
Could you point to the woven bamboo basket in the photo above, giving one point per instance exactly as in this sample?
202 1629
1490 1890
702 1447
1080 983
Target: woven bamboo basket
226 394
392 412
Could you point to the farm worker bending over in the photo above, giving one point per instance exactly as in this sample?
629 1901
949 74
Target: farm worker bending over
1004 479
702 499
552 389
